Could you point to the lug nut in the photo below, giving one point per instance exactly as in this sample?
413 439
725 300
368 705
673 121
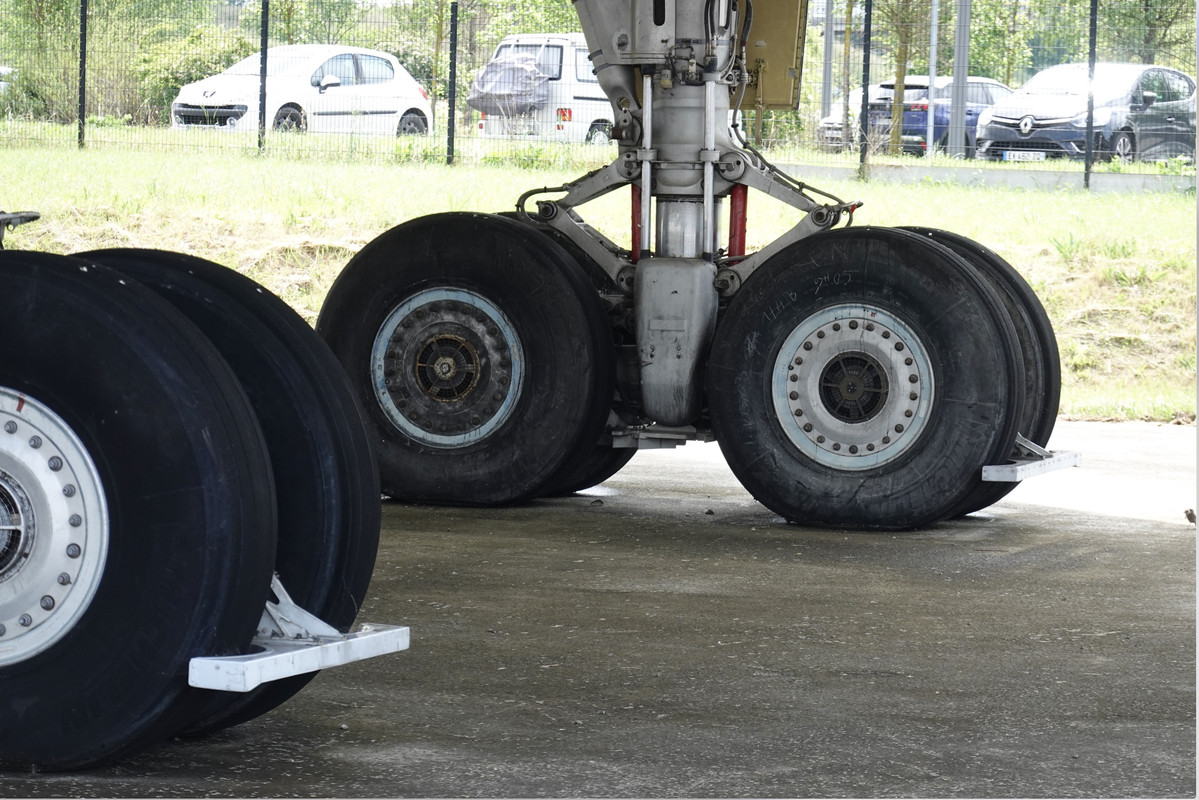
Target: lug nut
10 427
25 620
64 579
55 464
74 551
75 521
35 442
47 602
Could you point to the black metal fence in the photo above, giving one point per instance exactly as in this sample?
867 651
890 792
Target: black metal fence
93 73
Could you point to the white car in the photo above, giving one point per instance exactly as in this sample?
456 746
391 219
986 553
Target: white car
314 87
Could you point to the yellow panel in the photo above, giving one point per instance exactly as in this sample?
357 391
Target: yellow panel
774 53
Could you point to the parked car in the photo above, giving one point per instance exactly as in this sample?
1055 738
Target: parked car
541 86
981 93
829 134
1141 111
313 87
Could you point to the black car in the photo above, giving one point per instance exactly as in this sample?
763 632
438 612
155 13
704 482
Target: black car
1142 111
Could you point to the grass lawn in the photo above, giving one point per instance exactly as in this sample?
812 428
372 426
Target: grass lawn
1116 272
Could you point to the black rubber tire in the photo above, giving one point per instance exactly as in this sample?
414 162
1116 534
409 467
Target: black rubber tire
595 463
474 287
1038 349
184 471
290 118
590 469
412 124
327 483
1122 147
843 297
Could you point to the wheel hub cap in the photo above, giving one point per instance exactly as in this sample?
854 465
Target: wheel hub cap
53 527
852 387
448 367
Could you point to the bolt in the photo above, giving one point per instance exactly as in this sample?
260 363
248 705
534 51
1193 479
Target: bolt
819 334
836 326
799 412
886 440
798 361
69 490
886 334
913 396
899 428
55 463
10 427
870 447
492 330
853 325
913 379
807 428
899 346
25 620
869 326
47 602
820 439
794 378
75 521
807 345
908 413
474 420
907 362
836 446
35 442
794 395
74 551
64 579
853 448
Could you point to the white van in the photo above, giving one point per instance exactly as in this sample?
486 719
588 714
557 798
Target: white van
559 100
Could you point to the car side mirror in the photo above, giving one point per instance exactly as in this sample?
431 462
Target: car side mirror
329 80
1148 99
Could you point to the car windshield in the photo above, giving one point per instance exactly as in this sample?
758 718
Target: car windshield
275 64
1111 82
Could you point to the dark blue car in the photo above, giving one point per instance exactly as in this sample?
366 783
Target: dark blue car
1142 111
981 93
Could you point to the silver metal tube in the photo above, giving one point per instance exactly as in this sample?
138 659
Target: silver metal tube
647 142
709 240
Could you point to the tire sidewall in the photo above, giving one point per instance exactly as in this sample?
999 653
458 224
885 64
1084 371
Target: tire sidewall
831 269
524 279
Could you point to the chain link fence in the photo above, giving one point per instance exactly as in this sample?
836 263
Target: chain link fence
186 74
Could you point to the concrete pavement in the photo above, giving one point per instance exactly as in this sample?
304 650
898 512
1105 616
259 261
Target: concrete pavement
665 635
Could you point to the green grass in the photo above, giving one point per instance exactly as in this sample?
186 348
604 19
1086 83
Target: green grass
1116 272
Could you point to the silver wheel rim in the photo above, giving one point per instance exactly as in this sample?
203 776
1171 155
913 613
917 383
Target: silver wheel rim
54 529
447 367
852 387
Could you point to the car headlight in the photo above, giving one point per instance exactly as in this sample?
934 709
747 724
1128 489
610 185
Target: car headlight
984 119
1102 117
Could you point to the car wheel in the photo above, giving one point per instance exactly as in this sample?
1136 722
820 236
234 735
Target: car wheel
599 133
290 118
412 124
1123 147
862 378
139 508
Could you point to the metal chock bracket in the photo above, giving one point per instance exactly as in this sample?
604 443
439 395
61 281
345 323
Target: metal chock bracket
291 641
9 221
1029 459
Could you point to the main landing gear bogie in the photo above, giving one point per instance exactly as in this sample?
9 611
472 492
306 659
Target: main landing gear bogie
858 378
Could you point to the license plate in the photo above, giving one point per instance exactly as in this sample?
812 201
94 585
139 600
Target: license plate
1023 155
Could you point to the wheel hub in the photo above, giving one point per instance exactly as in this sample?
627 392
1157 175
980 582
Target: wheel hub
448 367
852 387
53 527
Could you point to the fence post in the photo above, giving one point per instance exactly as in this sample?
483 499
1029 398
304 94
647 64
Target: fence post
265 33
1089 152
864 113
82 71
453 93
